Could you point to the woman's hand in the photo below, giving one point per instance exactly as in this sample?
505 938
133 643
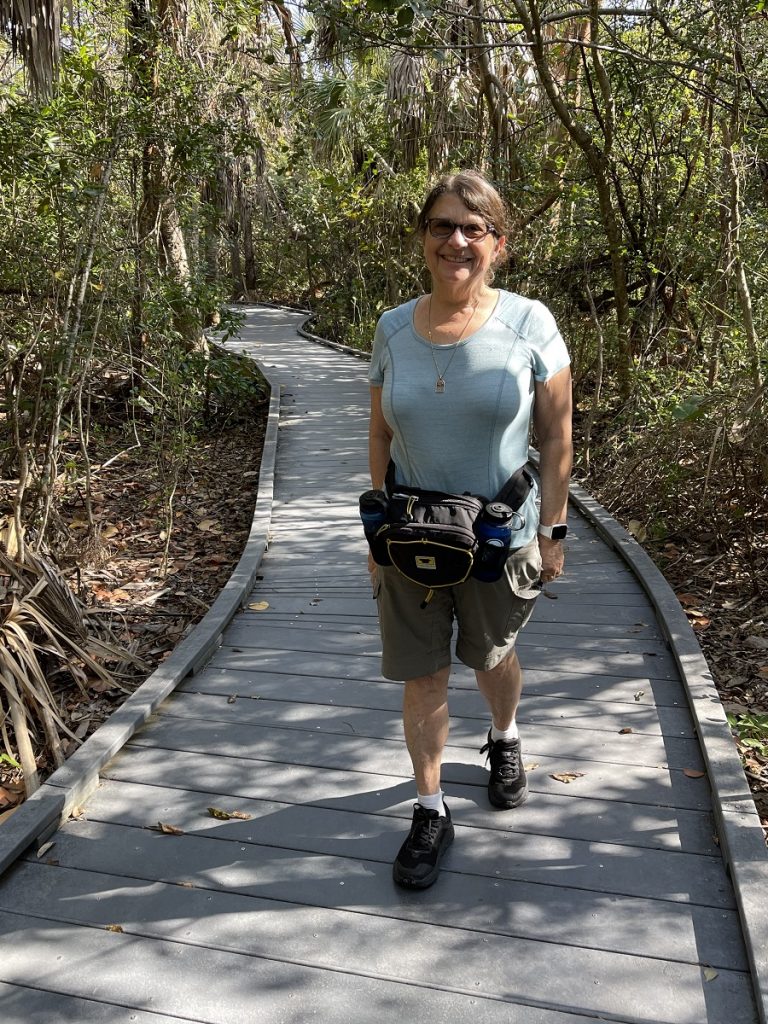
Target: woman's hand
373 572
552 558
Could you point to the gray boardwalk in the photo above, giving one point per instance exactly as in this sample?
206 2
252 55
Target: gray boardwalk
603 898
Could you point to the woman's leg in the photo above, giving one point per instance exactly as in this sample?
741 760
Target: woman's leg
501 686
425 724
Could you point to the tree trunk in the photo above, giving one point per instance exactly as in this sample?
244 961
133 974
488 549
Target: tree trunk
739 273
599 164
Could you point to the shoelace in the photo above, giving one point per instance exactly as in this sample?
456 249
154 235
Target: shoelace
503 758
424 832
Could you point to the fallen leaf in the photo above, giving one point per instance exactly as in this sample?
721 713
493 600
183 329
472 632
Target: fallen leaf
114 928
218 559
207 525
166 829
693 773
109 532
637 530
44 849
216 812
701 623
759 643
687 599
709 974
8 798
259 606
625 731
232 698
566 777
639 694
101 686
763 671
187 885
532 766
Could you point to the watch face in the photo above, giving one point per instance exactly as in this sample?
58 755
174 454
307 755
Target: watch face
559 532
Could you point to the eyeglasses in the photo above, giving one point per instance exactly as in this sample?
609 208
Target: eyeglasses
439 227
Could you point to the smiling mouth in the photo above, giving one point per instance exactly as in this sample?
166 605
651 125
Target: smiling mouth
458 259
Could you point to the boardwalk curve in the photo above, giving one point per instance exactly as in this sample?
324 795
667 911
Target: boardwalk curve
605 898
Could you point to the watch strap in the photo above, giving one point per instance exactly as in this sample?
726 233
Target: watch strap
557 531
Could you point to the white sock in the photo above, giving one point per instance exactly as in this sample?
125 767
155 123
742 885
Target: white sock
505 734
432 802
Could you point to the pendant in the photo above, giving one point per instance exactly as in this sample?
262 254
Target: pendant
440 385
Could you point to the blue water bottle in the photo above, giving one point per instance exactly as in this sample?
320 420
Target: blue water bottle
493 529
373 511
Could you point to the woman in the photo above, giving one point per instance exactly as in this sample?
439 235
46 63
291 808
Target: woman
456 377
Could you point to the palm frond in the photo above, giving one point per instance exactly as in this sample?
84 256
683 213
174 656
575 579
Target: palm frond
43 622
34 30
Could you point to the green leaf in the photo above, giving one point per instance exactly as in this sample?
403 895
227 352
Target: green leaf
691 409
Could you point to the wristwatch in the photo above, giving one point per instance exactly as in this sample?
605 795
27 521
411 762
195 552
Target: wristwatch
558 531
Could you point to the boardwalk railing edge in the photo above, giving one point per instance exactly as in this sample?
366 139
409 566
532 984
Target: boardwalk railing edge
39 816
738 823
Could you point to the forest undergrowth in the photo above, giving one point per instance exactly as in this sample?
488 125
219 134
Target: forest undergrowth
162 552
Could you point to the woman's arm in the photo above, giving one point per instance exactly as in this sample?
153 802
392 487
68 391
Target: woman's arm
552 417
379 438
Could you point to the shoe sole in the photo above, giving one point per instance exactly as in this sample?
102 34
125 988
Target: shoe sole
406 882
508 805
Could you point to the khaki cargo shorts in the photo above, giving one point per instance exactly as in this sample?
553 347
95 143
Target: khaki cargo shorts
416 641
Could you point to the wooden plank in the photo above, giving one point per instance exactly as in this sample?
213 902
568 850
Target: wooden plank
368 623
580 818
599 760
404 952
223 987
469 714
601 868
385 694
32 1005
309 606
362 666
256 631
619 924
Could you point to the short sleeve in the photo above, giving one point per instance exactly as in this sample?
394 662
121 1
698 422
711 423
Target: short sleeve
378 357
547 347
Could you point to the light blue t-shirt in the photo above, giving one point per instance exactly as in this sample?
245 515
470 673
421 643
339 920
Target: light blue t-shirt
474 435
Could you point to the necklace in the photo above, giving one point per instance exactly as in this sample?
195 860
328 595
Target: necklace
440 381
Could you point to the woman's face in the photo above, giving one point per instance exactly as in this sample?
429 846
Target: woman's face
456 263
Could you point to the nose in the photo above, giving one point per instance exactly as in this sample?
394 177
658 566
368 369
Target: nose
457 237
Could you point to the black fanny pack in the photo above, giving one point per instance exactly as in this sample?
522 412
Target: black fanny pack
439 540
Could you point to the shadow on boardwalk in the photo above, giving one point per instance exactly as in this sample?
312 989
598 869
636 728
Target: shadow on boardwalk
603 898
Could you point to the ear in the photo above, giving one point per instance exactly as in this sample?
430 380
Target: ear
501 243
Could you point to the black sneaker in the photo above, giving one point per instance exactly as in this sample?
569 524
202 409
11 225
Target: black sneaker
507 786
417 865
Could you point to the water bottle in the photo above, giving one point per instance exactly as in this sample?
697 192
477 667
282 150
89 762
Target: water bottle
373 511
493 529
